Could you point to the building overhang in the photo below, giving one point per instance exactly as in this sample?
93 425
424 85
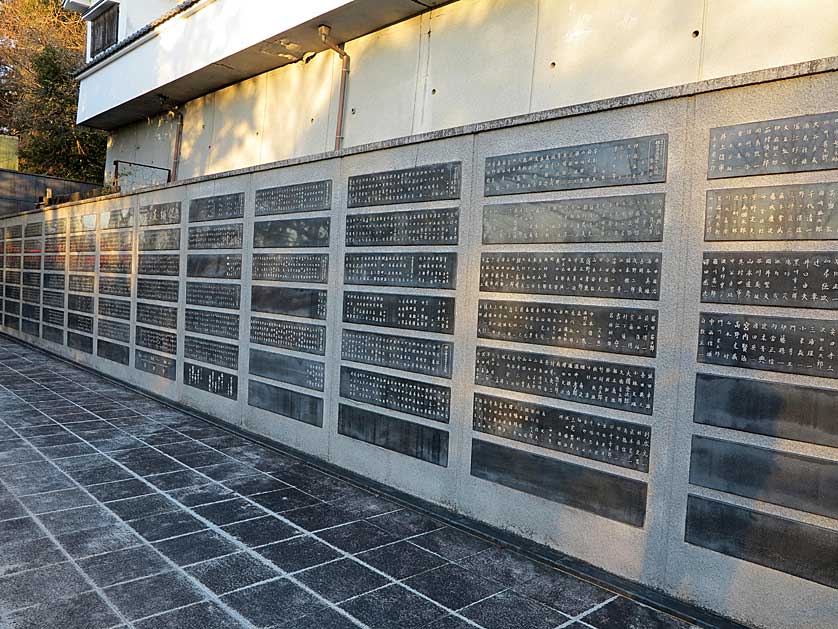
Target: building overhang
216 43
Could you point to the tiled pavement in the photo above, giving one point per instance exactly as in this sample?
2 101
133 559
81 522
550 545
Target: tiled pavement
118 511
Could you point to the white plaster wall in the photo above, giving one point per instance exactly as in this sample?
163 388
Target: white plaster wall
134 14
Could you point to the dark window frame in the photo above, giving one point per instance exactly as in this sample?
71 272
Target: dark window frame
104 30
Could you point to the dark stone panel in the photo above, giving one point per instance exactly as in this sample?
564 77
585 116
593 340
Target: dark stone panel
116 308
52 263
785 145
14 231
158 290
81 283
113 351
211 380
788 345
55 226
610 385
422 399
157 340
220 266
611 275
296 302
80 342
626 218
435 182
410 312
115 286
414 440
57 244
803 550
115 263
301 372
206 351
117 219
80 323
11 322
414 227
216 237
312 196
32 295
54 300
160 240
33 328
299 406
12 292
604 494
83 242
791 480
81 303
291 267
30 311
223 324
160 366
86 263
299 232
788 212
33 246
54 335
33 229
424 356
215 295
13 247
301 337
160 214
616 163
795 279
117 241
13 277
32 279
600 329
768 408
216 208
33 263
53 317
86 223
160 316
166 264
12 307
589 436
415 270
114 330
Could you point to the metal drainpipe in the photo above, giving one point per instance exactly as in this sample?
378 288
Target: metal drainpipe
324 31
178 142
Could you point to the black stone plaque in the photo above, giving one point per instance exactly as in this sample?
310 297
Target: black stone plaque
81 283
217 208
218 266
54 335
55 226
157 340
79 322
301 337
410 312
33 246
803 550
785 145
30 311
299 406
157 290
81 303
32 279
33 263
796 279
115 263
216 237
113 351
83 242
313 196
790 480
160 240
295 302
52 263
803 346
12 292
301 372
13 277
115 330
116 241
85 223
12 307
32 296
435 182
604 494
422 399
33 328
397 435
11 322
117 219
213 294
614 275
211 352
595 328
116 286
160 214
160 366
592 437
53 317
13 247
167 264
33 229
774 409
160 316
291 267
211 380
414 227
223 324
13 262
80 262
14 231
416 270
610 385
789 212
54 300
80 342
55 245
616 163
298 232
425 356
628 218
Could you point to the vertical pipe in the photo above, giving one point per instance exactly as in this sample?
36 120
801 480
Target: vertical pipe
173 174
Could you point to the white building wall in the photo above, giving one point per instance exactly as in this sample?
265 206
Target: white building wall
135 14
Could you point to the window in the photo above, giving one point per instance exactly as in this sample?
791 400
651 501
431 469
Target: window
104 30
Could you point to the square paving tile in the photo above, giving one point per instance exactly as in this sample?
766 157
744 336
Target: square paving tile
508 610
19 530
26 555
120 490
85 611
229 511
30 588
232 572
196 547
123 565
394 607
80 519
176 480
198 616
259 484
285 500
201 494
297 554
142 506
341 580
326 618
451 543
146 462
564 592
453 586
152 595
625 614
320 516
11 508
272 603
97 541
402 560
261 531
356 537
162 526
34 478
505 566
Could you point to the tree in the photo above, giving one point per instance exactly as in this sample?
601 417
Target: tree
40 47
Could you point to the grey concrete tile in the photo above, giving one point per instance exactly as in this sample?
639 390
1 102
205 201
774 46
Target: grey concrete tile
176 480
123 565
152 595
196 547
259 484
86 611
57 500
201 494
142 506
19 530
320 516
72 520
29 588
260 531
120 490
198 616
272 603
451 543
564 592
66 451
97 541
285 500
34 478
232 572
327 618
393 607
229 511
146 462
299 553
625 614
20 454
402 560
357 537
11 508
26 555
341 580
508 610
453 586
158 527
505 567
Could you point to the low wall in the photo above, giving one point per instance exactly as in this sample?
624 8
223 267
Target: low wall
611 332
